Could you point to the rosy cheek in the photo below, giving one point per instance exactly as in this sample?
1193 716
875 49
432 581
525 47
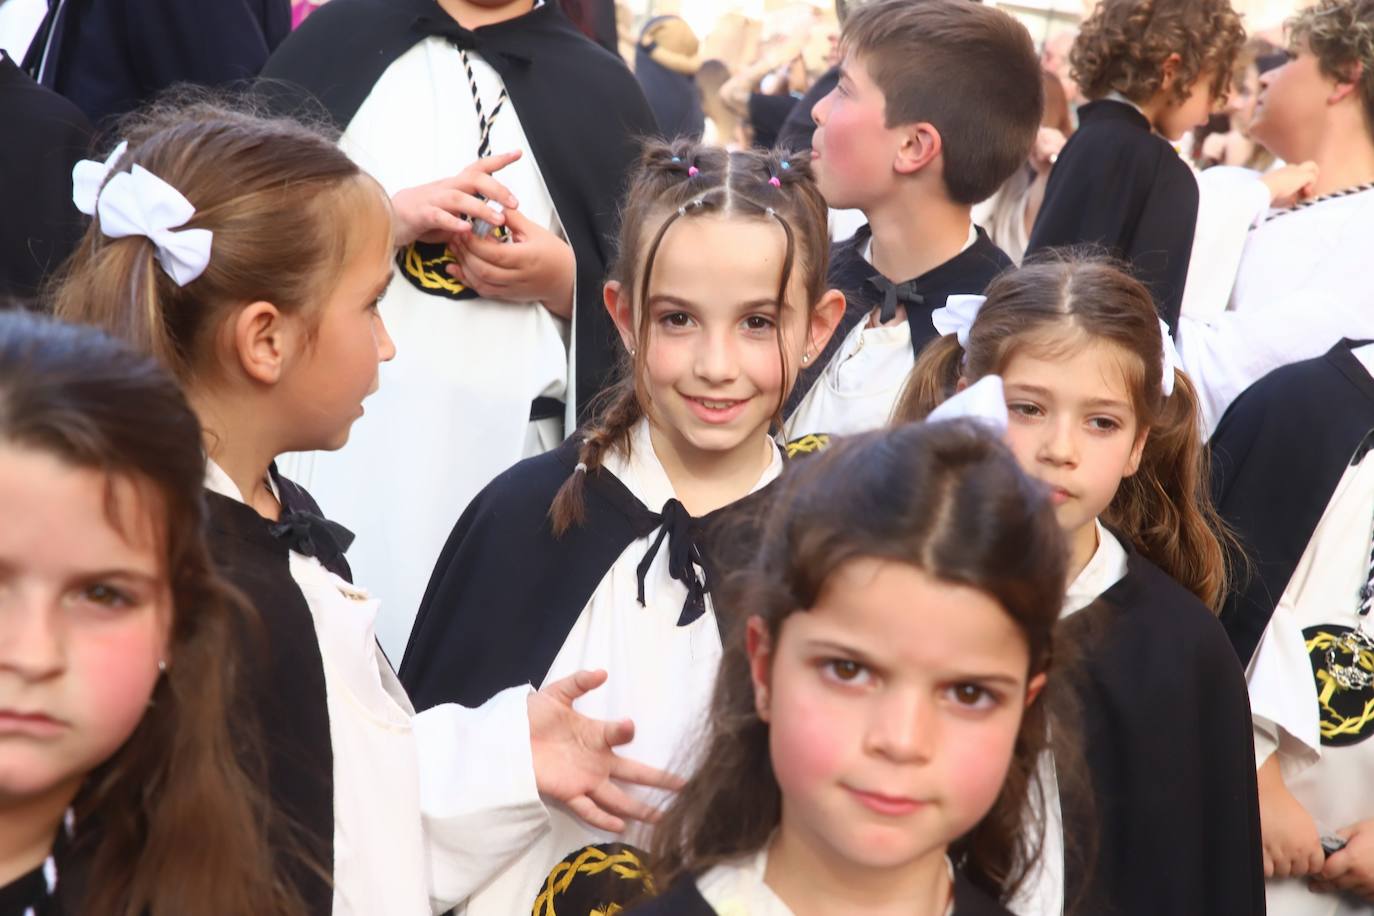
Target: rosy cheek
112 674
808 737
979 756
1021 441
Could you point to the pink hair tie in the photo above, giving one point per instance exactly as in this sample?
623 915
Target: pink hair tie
693 171
774 182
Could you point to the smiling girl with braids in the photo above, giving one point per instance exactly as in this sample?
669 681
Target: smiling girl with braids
594 556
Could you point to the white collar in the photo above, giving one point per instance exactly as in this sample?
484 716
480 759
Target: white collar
738 886
1106 568
217 480
644 476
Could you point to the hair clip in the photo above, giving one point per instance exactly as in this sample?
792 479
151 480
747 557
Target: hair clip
138 202
693 171
677 160
581 468
982 401
957 315
88 176
786 165
775 182
769 211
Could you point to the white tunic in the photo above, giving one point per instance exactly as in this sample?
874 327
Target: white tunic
860 386
426 807
1270 291
453 409
661 675
1331 782
1042 893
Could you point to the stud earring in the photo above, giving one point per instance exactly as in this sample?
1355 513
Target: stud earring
162 666
806 358
632 353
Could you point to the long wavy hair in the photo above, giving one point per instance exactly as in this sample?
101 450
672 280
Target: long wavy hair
1165 509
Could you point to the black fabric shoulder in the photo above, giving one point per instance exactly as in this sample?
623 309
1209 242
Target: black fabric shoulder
1165 726
285 689
798 129
971 900
505 591
682 899
1277 456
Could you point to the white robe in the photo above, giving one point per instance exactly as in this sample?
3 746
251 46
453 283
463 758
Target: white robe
1332 783
427 807
661 675
1268 292
453 408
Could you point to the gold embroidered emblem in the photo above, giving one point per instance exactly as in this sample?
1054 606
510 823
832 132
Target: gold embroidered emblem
595 881
1343 666
808 444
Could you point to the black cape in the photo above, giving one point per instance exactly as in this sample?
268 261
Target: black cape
581 109
1277 456
506 592
286 692
45 135
1118 185
797 129
110 56
967 273
1165 729
683 899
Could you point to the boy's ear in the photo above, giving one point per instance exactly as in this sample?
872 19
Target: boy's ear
1347 84
921 145
1169 72
259 341
825 318
760 650
621 311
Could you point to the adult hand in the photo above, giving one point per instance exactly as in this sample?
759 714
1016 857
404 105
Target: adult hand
575 761
534 266
1352 869
1291 184
433 212
1292 846
1048 143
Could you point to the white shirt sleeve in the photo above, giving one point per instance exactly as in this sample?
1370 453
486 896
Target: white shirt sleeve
1230 203
478 798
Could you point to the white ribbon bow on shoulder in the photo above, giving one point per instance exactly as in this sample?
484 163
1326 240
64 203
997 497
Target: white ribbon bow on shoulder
957 316
1171 358
140 203
982 401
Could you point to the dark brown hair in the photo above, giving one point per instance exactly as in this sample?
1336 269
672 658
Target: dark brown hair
1122 47
272 191
1340 34
685 180
179 824
969 70
947 498
1165 509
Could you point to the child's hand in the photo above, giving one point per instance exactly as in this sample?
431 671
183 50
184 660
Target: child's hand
535 266
1291 184
1352 869
1292 846
431 212
574 762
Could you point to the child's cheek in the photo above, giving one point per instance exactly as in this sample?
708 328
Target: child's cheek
979 757
810 739
114 673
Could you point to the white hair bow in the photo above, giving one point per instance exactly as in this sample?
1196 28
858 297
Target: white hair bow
1171 358
982 401
140 203
88 175
957 316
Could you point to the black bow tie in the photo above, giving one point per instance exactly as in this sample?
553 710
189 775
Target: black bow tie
892 294
463 39
315 536
684 556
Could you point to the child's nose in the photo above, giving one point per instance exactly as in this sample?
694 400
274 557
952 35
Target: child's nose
386 347
821 110
32 643
1060 445
716 360
904 726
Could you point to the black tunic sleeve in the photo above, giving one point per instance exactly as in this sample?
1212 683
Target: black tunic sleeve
1118 186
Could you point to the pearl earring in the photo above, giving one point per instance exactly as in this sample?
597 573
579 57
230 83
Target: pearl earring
632 353
806 358
162 666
